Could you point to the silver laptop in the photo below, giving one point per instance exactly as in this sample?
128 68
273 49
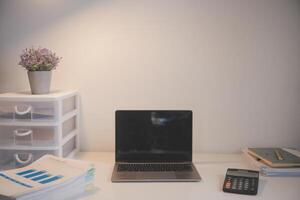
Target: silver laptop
154 145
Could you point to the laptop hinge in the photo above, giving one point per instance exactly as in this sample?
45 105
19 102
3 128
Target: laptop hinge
154 162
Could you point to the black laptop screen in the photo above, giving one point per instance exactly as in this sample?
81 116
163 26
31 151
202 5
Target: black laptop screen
153 136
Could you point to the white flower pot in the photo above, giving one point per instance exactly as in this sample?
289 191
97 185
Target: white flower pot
39 81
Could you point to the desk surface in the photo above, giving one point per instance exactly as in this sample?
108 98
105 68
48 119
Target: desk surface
212 169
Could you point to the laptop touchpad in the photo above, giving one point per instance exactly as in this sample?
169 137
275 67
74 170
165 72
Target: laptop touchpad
156 175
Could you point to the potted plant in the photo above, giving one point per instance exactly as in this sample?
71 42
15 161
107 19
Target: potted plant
39 63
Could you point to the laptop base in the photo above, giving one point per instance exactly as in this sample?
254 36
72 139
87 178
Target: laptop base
163 176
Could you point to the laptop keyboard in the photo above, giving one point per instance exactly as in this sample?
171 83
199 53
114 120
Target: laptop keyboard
154 167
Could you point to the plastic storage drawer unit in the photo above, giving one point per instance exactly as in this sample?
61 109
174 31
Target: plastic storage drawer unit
34 125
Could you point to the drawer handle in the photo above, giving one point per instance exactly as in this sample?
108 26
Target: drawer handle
22 132
28 110
19 160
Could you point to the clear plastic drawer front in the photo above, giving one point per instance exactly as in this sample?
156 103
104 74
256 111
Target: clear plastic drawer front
28 136
10 110
10 159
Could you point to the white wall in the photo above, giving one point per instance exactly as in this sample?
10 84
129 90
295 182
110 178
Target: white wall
235 63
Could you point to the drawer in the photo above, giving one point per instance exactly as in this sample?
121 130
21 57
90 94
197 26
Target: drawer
35 136
10 159
69 104
70 146
10 110
69 126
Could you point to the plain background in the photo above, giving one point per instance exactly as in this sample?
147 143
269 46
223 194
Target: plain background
235 63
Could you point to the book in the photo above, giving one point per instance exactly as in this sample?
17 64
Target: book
49 177
275 157
266 170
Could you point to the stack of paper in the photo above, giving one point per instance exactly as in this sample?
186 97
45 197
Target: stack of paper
271 171
48 178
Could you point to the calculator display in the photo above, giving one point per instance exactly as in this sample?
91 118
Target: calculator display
242 173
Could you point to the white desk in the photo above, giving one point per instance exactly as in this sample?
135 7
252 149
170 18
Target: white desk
212 168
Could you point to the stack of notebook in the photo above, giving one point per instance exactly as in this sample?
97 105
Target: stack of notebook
274 161
48 178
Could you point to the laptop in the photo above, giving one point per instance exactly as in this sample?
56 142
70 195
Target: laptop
154 145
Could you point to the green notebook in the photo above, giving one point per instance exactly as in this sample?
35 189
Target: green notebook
275 157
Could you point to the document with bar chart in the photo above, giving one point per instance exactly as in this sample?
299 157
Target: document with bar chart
48 177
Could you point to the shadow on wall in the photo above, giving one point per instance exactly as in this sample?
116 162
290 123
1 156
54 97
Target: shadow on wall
31 15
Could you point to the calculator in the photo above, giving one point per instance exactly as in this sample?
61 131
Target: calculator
241 181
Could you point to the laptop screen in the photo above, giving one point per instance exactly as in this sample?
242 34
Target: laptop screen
154 136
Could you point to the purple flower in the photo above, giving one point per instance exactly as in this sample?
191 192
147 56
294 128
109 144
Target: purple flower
41 59
44 51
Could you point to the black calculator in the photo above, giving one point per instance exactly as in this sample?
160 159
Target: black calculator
241 181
